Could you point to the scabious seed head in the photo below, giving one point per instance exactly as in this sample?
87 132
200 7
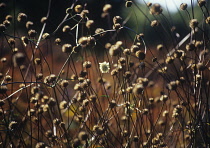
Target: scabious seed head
43 20
117 19
138 89
8 78
64 83
63 105
134 48
128 3
22 17
29 24
141 55
201 3
190 47
193 23
46 36
87 64
183 6
37 61
2 28
6 23
66 28
90 24
12 125
84 13
114 50
156 9
83 136
155 23
11 41
78 8
32 33
116 26
40 145
3 89
208 20
57 41
67 48
107 8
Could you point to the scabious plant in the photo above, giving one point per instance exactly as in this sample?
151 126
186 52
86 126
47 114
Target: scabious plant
90 78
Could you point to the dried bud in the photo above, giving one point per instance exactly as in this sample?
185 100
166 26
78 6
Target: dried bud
78 8
22 17
107 8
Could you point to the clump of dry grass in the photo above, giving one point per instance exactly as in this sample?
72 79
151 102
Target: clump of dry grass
64 93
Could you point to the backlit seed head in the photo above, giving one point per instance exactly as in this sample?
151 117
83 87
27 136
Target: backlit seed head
84 13
46 36
11 41
76 143
6 23
3 60
201 3
156 9
2 5
40 145
22 17
68 10
127 74
160 47
155 23
64 83
193 23
2 27
128 3
66 28
87 64
134 48
114 72
39 76
114 50
201 66
49 133
112 104
2 103
83 136
43 20
208 20
145 111
8 78
3 89
83 41
126 51
57 41
37 61
78 8
107 8
89 24
117 19
91 41
12 125
190 47
92 98
138 89
51 102
183 6
141 55
24 40
67 48
116 26
32 33
56 121
63 105
29 24
164 98
35 90
169 60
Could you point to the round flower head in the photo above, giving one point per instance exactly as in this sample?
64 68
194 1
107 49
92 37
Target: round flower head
104 67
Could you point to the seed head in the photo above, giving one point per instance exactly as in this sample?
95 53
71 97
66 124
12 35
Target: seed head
89 24
208 20
117 19
2 27
193 23
46 36
66 28
156 9
190 47
134 48
67 48
183 6
138 89
29 24
63 105
6 23
107 8
22 17
140 54
128 3
78 8
3 89
84 13
104 67
201 3
83 136
57 41
8 78
155 23
43 20
64 83
87 64
12 125
32 33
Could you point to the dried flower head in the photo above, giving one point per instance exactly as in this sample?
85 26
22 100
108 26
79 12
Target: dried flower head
2 27
66 28
89 24
43 20
29 24
22 17
183 6
193 23
107 8
201 3
128 3
46 36
3 89
32 33
104 67
208 20
63 105
83 136
156 9
155 23
67 48
78 8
